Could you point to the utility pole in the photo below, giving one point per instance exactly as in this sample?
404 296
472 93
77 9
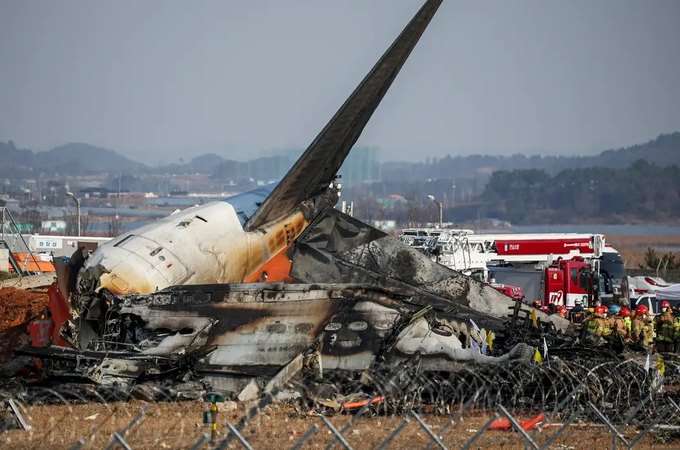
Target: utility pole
75 199
441 210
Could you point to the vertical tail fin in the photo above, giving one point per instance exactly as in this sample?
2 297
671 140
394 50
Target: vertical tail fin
318 166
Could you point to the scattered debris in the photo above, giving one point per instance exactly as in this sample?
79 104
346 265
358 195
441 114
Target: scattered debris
17 418
250 392
18 306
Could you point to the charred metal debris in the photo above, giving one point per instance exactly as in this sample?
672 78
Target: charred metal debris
326 344
388 322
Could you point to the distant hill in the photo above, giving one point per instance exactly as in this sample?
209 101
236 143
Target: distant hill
662 151
14 160
80 157
205 163
75 158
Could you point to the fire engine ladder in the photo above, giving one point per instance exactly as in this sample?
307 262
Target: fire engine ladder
11 239
459 247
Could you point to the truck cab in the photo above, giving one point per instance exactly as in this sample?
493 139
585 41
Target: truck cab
567 281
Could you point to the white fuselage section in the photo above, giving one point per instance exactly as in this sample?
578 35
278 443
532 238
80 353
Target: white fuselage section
200 245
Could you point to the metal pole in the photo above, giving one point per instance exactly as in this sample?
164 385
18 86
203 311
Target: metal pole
441 215
78 212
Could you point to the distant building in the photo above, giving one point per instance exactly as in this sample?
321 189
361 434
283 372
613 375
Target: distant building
94 192
54 226
361 166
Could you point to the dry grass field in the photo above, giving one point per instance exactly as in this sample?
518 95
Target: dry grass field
632 247
179 425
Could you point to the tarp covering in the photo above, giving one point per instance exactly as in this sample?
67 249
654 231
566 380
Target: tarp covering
337 248
669 293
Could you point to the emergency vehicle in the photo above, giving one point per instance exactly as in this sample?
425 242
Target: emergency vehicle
640 285
556 268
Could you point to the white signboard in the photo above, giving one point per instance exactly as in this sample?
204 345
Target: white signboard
47 243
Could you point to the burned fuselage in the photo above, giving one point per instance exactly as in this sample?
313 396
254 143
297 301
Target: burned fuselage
145 304
231 333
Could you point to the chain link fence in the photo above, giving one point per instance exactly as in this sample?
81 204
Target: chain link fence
559 404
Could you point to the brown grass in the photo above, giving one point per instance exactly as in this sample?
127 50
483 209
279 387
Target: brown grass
178 425
632 247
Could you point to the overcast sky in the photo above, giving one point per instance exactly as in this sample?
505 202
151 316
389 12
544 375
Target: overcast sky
151 79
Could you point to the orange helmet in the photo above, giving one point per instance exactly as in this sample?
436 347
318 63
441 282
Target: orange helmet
562 311
641 310
605 310
537 304
625 312
599 311
665 304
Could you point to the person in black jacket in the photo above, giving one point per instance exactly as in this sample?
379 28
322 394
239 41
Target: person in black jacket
577 315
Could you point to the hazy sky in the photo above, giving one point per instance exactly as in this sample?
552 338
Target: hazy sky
153 78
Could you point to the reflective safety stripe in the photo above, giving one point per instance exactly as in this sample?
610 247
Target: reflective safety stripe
596 326
592 326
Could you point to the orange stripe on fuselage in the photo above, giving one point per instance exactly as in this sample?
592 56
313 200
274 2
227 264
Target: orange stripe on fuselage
277 269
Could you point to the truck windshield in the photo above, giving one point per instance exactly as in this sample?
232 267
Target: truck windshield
584 280
612 264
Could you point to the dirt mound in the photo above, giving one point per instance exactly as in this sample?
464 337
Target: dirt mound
17 306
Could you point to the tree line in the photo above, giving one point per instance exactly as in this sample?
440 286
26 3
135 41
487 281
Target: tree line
642 192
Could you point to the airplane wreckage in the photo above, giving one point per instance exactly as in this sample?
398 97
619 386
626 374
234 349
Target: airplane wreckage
276 282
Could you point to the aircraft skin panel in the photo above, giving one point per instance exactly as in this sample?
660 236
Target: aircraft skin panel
202 244
318 166
247 203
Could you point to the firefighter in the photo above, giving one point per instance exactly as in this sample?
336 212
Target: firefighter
562 311
577 315
537 304
625 313
665 329
642 330
597 326
617 323
676 328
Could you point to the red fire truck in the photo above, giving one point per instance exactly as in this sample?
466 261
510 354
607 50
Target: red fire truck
556 268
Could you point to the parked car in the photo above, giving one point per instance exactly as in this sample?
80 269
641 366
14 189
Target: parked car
652 302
